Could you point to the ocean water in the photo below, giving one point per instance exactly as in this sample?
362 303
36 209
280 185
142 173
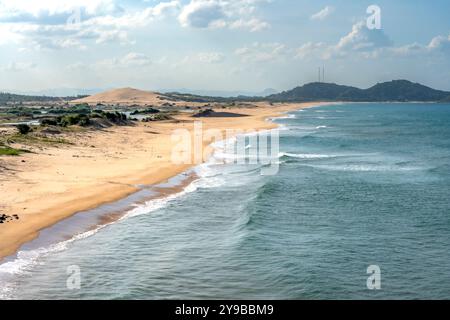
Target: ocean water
358 185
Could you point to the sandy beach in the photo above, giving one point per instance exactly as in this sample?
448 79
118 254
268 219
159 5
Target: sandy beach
100 167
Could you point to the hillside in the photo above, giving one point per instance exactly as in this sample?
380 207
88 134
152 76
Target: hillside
125 96
396 90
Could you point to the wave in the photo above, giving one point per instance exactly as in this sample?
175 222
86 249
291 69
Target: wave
288 116
25 260
305 155
364 168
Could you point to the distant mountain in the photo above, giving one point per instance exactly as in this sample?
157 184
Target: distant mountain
267 92
220 93
396 90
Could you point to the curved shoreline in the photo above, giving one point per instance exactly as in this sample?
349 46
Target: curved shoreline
78 201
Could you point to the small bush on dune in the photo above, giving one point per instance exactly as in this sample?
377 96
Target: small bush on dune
82 119
74 119
158 117
49 122
23 128
115 117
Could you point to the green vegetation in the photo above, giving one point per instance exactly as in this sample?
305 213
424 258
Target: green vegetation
19 98
82 108
397 90
67 120
145 111
158 117
32 139
8 151
23 128
74 119
22 111
84 120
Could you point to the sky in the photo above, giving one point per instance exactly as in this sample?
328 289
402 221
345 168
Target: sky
221 45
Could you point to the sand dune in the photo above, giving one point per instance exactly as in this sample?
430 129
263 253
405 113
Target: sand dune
125 96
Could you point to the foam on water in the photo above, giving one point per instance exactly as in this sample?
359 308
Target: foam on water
365 167
305 155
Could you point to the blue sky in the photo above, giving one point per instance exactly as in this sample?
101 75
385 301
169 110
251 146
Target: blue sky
243 45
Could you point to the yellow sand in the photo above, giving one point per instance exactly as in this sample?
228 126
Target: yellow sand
129 96
102 166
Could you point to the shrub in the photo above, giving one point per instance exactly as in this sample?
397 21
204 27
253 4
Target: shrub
74 119
145 111
23 128
115 117
49 122
158 117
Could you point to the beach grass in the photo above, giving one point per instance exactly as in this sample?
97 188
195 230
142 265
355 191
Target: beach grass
8 151
35 139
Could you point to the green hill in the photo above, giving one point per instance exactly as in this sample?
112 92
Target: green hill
396 90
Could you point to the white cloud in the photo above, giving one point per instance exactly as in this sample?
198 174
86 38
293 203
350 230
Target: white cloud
135 59
132 59
31 10
312 49
370 44
439 43
322 14
60 24
77 66
261 52
252 24
360 39
210 57
105 22
201 13
113 35
19 66
234 14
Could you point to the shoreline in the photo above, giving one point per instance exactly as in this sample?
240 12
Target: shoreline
82 199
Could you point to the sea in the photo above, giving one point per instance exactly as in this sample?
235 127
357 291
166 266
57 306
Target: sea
358 209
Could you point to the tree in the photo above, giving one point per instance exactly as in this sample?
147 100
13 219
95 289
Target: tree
23 128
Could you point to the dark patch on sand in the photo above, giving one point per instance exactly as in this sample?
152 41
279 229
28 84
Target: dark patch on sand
5 218
210 113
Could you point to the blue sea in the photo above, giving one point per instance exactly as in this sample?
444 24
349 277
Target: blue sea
358 185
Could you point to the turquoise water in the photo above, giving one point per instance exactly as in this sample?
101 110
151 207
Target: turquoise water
358 185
